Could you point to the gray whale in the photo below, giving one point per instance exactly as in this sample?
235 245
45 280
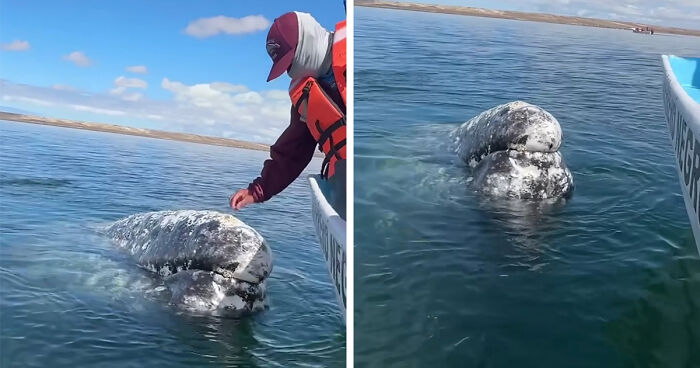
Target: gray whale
209 261
513 150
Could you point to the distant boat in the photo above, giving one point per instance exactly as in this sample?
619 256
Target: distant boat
682 104
330 228
642 30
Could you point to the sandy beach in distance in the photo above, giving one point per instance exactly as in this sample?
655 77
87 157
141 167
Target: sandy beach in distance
158 134
515 15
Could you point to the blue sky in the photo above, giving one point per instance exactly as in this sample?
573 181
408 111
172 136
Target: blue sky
672 13
137 63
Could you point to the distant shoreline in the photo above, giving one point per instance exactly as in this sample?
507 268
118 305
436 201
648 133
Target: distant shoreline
149 133
515 15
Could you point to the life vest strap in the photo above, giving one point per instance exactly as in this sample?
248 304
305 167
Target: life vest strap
304 99
337 148
334 152
327 134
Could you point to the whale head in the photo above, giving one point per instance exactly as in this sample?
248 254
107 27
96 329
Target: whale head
209 261
513 152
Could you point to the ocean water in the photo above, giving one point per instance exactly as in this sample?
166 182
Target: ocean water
69 298
444 277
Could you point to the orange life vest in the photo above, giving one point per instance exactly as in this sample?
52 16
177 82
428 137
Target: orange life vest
324 118
340 58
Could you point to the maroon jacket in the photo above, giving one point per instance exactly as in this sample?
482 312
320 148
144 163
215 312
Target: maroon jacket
289 155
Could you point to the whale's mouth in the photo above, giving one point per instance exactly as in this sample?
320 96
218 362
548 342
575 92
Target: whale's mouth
476 159
517 146
523 175
200 287
233 269
211 292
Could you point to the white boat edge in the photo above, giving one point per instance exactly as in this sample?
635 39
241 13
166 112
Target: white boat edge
683 117
331 231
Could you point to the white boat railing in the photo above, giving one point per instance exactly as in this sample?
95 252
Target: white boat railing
330 228
683 118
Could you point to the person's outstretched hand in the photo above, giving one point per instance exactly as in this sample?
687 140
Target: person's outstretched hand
241 199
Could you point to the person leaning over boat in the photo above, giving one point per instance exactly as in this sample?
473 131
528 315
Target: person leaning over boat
314 59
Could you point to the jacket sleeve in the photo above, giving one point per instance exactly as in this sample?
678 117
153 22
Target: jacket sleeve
288 157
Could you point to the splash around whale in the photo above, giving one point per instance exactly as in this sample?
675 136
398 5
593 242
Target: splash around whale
209 262
513 151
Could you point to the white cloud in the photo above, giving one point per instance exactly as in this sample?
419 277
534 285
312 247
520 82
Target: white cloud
670 13
16 45
154 116
207 27
250 111
130 82
78 58
63 87
139 69
228 87
117 90
216 109
33 101
97 110
133 97
122 84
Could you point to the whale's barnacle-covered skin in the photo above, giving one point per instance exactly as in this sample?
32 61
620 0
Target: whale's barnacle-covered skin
514 151
209 260
524 175
197 290
169 241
